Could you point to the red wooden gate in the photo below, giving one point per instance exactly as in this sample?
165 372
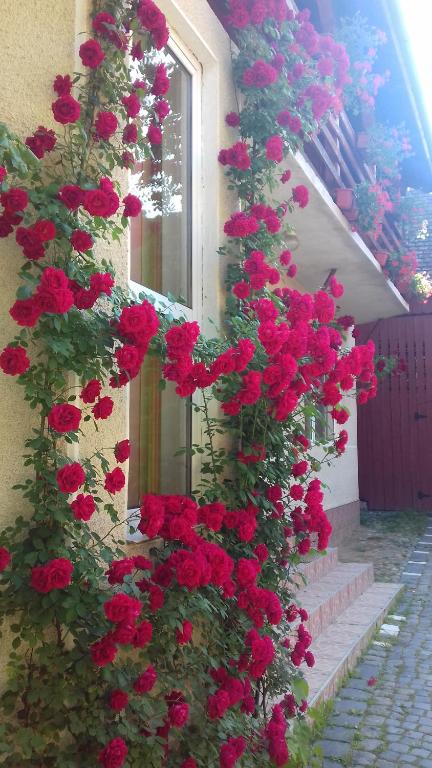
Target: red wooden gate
395 429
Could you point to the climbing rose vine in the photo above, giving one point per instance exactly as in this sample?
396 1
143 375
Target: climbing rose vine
188 652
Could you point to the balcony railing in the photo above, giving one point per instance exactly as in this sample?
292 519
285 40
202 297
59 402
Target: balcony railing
339 164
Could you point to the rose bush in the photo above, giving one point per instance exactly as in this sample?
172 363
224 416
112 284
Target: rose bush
175 659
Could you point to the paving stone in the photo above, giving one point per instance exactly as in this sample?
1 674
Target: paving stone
338 733
345 720
335 749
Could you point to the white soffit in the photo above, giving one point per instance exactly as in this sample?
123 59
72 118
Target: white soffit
327 242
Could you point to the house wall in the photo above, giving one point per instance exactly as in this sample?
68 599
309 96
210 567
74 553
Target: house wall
39 40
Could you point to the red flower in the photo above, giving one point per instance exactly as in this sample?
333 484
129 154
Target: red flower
372 681
62 85
121 608
106 125
91 54
154 134
102 282
25 312
115 480
103 408
132 104
103 652
66 109
145 682
71 196
97 202
162 109
301 195
3 173
14 361
91 391
70 477
274 149
43 140
114 754
56 574
5 559
14 200
81 241
161 82
64 418
184 635
118 700
83 507
122 450
232 119
45 229
260 75
143 634
132 205
31 243
178 714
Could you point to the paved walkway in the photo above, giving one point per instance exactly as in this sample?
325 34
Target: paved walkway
390 723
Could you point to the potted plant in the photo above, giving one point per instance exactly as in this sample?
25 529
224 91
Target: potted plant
381 257
344 198
373 203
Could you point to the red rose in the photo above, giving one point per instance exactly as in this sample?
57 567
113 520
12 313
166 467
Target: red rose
130 134
128 358
118 700
98 203
301 195
62 85
6 227
115 480
81 241
91 54
100 25
14 200
106 125
3 173
189 763
25 312
161 82
66 109
162 109
103 408
154 134
43 140
102 282
56 574
143 634
5 559
145 682
71 196
83 507
64 417
274 149
185 635
132 104
150 16
132 205
178 714
45 229
121 608
122 450
114 754
232 119
241 290
103 652
70 477
189 572
14 361
30 242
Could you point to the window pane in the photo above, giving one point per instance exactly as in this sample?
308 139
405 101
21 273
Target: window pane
161 241
160 424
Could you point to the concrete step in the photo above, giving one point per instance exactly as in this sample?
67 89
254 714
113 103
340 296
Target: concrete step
338 647
326 598
318 566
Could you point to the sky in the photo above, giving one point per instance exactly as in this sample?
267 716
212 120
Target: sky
416 17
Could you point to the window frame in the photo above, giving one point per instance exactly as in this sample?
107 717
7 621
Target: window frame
161 302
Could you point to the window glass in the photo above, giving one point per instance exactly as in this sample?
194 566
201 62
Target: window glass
161 260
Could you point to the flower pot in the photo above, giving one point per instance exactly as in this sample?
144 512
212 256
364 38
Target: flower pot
351 215
381 257
344 199
362 140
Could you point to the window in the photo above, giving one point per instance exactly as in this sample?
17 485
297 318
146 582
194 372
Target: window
164 264
319 427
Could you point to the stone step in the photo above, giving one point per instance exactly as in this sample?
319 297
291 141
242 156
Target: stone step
326 598
318 566
338 647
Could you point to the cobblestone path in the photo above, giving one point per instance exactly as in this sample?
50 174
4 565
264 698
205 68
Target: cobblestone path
390 723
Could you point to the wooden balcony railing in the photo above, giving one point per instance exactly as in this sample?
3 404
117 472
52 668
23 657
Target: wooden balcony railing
339 164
